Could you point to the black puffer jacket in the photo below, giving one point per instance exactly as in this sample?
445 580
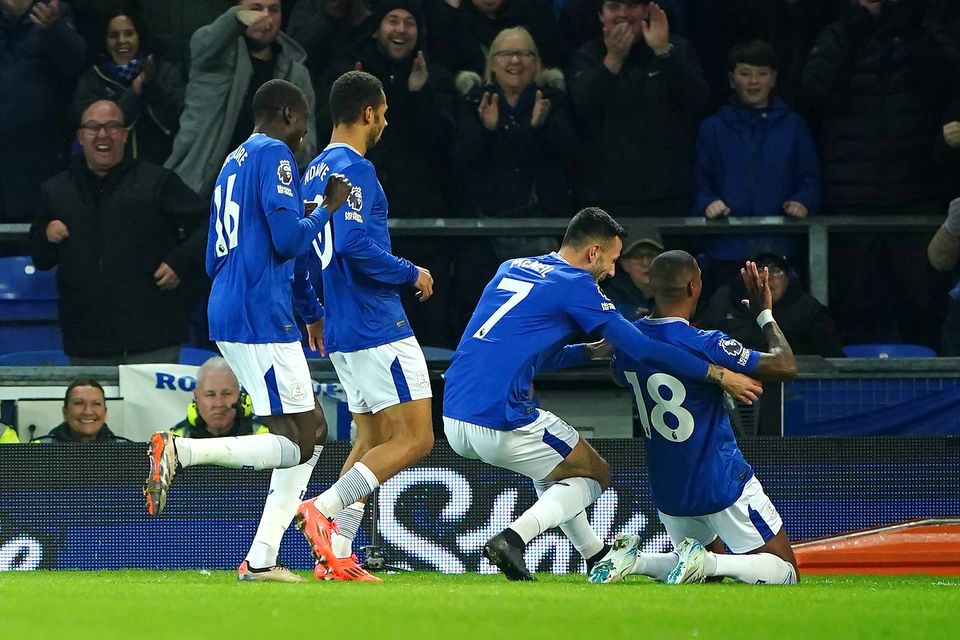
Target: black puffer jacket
516 170
412 156
121 228
640 124
62 433
877 88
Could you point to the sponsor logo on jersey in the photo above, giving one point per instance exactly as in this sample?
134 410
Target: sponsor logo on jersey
744 356
284 191
355 199
285 173
353 215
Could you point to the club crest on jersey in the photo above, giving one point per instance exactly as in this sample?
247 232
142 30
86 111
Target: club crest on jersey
355 199
285 173
297 392
731 346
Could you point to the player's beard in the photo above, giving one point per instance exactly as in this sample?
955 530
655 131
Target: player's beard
375 134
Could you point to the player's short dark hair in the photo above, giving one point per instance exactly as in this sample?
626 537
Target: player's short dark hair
756 52
670 273
83 382
274 96
592 224
351 94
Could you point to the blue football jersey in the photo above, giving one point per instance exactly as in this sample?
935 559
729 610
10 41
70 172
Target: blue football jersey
361 276
695 465
251 296
530 310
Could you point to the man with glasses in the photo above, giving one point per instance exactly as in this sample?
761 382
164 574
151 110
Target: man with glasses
630 288
114 225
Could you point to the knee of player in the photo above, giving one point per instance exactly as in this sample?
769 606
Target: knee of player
602 475
422 445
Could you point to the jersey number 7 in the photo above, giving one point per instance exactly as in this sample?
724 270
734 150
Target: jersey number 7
520 291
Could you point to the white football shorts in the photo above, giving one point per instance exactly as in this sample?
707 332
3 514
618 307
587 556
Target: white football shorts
381 377
275 375
744 526
533 450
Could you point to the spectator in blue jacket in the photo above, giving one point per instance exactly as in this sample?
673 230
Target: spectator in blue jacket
755 157
40 55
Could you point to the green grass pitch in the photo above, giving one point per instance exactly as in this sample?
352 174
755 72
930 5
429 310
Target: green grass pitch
177 605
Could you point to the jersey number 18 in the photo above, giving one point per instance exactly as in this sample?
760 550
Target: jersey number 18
662 406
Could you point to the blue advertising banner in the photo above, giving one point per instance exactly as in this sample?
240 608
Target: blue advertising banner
79 506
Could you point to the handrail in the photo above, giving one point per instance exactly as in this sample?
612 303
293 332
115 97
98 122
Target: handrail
817 229
811 367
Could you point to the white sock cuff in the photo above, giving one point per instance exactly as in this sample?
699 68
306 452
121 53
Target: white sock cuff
289 452
367 474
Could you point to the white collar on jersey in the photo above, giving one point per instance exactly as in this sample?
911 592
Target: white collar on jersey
667 320
334 145
559 257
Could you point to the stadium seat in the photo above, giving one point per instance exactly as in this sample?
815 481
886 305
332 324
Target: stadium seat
195 356
889 350
34 359
28 307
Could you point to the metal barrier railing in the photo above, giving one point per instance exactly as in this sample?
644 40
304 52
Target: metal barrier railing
817 229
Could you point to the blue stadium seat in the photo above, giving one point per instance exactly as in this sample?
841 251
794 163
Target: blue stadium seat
34 359
890 350
195 356
28 307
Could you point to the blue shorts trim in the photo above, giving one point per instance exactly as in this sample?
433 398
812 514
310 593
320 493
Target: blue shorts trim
556 443
403 391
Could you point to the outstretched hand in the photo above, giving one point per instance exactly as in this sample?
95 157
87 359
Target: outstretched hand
656 29
489 110
336 192
757 284
418 73
742 387
541 109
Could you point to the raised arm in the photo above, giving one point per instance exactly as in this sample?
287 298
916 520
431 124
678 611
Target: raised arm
677 361
779 363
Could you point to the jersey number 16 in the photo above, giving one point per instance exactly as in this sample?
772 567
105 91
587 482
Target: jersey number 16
228 218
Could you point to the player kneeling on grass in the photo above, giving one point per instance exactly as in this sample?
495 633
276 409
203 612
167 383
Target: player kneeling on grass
705 492
527 314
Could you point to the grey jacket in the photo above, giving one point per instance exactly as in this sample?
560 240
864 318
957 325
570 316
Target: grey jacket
220 73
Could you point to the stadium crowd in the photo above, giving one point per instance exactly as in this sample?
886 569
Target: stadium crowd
498 109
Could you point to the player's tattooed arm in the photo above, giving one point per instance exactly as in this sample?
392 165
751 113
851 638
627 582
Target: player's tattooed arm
742 387
778 363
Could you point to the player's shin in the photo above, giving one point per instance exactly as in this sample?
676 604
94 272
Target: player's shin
577 529
261 451
559 504
356 484
287 487
756 568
